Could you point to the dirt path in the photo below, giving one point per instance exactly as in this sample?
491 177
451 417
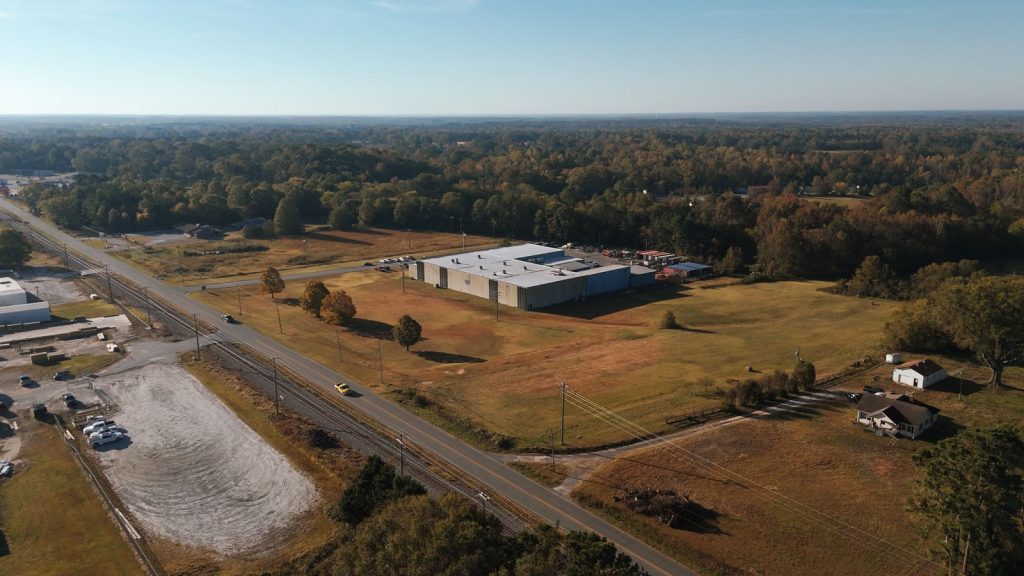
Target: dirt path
582 465
193 472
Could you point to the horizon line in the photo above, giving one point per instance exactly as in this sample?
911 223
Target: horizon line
511 115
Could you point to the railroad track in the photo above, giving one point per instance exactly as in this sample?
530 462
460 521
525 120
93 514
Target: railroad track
361 432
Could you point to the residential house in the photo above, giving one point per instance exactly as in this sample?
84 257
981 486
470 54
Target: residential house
896 415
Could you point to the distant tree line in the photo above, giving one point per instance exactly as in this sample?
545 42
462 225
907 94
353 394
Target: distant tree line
932 192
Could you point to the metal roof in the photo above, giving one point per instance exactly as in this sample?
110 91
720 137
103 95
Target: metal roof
508 265
689 266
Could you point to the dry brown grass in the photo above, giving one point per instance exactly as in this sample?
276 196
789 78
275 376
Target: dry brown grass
52 518
317 249
822 461
503 376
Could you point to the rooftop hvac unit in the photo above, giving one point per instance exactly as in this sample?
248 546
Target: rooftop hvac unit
481 267
504 271
479 256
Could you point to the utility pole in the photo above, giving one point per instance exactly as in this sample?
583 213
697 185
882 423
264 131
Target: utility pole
960 377
496 308
401 454
280 327
238 294
149 317
551 437
337 335
195 321
66 256
277 397
110 288
380 357
181 270
403 279
561 388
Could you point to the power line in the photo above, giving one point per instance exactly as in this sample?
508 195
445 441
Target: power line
638 431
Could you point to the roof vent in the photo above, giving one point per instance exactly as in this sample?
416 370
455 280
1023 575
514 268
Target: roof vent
504 271
481 267
479 256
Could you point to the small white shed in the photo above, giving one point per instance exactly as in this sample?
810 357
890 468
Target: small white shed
918 373
893 358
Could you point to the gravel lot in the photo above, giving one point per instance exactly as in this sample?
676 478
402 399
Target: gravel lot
191 471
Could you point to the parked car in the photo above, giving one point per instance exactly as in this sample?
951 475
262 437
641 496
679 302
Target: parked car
6 468
62 375
94 296
367 263
228 318
97 426
104 437
69 399
343 388
25 380
874 390
853 397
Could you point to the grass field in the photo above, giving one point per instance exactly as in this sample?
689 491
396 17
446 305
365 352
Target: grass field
53 521
490 378
316 249
845 201
87 308
820 460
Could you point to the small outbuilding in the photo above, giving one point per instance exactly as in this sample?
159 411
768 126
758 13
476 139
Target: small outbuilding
688 270
918 373
896 415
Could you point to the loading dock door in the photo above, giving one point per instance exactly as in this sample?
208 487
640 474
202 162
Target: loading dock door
492 285
444 278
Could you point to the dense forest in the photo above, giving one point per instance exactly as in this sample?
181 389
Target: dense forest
731 191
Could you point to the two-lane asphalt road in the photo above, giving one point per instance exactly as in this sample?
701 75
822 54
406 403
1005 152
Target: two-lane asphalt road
486 468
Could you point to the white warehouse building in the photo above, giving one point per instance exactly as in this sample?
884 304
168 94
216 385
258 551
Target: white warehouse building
527 276
15 307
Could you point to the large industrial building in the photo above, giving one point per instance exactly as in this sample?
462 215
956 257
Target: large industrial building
15 307
527 276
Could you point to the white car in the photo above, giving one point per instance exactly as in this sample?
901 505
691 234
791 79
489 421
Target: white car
97 426
104 437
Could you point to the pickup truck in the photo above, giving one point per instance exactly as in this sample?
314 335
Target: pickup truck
104 437
97 426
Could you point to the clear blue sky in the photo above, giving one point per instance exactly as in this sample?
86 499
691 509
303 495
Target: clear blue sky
398 57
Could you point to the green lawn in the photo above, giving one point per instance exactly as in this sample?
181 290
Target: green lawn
87 308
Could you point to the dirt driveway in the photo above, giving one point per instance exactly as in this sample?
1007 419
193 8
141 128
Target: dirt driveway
191 471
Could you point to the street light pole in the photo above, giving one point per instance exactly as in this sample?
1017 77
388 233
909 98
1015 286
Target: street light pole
238 295
66 256
337 335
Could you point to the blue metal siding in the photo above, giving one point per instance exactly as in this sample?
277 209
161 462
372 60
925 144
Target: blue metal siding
608 281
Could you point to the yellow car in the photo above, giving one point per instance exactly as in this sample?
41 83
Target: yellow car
343 388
